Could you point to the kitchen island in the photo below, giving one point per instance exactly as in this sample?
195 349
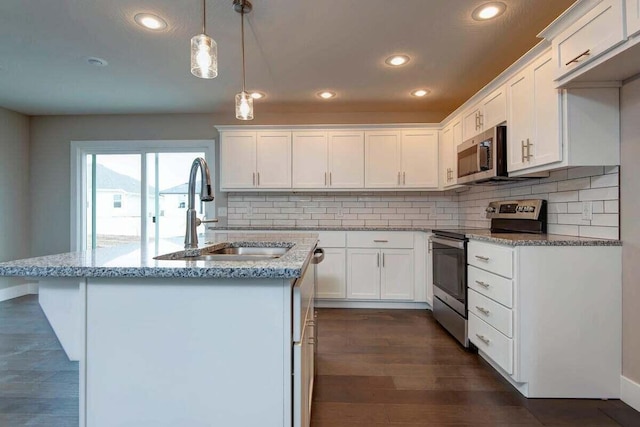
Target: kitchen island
186 343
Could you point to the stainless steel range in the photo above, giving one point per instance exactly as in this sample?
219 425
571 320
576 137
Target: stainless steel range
449 258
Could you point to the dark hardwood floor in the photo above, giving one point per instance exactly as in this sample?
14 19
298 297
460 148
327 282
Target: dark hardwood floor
375 368
400 368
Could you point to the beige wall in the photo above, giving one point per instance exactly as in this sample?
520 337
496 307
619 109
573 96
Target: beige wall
630 229
14 188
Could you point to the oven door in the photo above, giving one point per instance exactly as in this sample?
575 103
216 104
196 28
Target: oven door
449 260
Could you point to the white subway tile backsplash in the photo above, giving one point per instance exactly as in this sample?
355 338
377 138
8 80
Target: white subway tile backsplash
565 190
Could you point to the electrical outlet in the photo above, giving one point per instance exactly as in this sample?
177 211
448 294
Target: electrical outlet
340 213
587 211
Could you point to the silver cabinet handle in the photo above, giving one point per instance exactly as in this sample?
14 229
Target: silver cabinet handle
258 179
480 120
380 241
529 155
325 178
477 121
330 180
577 58
483 284
483 310
378 260
404 178
398 178
483 258
522 150
254 179
483 339
383 260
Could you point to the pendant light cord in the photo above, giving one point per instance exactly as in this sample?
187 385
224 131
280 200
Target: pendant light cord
204 16
242 30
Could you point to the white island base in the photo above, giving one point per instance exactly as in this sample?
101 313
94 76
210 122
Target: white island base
194 352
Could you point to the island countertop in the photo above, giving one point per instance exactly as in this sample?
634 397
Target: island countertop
137 260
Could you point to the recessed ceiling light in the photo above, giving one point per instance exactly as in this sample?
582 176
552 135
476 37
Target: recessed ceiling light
150 21
420 92
326 94
98 62
488 11
257 95
397 60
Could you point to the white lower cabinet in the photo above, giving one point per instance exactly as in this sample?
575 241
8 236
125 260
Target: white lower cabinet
396 275
545 317
363 280
331 274
385 274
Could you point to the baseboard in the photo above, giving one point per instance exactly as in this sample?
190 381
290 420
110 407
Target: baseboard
18 291
372 304
630 392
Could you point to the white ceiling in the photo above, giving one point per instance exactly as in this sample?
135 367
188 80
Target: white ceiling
294 49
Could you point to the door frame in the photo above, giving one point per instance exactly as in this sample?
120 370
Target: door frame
80 149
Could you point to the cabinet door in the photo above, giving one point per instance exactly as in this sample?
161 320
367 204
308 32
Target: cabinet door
309 159
419 155
446 156
545 145
238 160
633 17
397 282
363 280
382 157
471 123
520 116
332 274
273 160
494 109
346 159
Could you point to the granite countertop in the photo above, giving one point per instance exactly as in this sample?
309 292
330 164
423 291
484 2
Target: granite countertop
527 239
485 235
136 260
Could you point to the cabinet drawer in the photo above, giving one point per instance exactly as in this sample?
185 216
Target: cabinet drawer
491 285
593 34
332 239
380 239
495 345
498 316
494 258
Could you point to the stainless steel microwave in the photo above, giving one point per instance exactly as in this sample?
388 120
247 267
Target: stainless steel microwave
483 158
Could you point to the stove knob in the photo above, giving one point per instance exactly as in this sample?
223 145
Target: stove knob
532 208
520 209
490 209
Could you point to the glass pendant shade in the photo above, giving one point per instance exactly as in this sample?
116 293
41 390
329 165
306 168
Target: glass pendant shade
204 57
244 106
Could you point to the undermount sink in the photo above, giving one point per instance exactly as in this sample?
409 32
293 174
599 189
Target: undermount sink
228 252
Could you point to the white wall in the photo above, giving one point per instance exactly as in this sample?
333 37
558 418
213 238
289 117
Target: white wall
14 189
630 229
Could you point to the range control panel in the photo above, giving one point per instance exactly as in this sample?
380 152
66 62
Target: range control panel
515 209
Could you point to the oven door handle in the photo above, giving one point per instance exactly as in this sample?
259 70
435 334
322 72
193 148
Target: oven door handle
448 242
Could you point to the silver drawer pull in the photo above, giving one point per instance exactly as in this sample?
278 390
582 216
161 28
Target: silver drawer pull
483 284
483 339
483 310
585 53
380 241
483 258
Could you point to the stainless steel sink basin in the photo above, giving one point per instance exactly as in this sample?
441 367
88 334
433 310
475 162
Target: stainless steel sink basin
229 252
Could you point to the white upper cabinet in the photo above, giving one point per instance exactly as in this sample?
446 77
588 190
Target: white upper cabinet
451 138
310 159
346 159
238 160
489 112
382 154
633 17
419 164
251 160
273 162
534 117
401 159
549 128
595 33
328 159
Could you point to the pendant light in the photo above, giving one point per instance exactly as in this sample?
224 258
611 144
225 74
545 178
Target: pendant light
204 52
244 100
